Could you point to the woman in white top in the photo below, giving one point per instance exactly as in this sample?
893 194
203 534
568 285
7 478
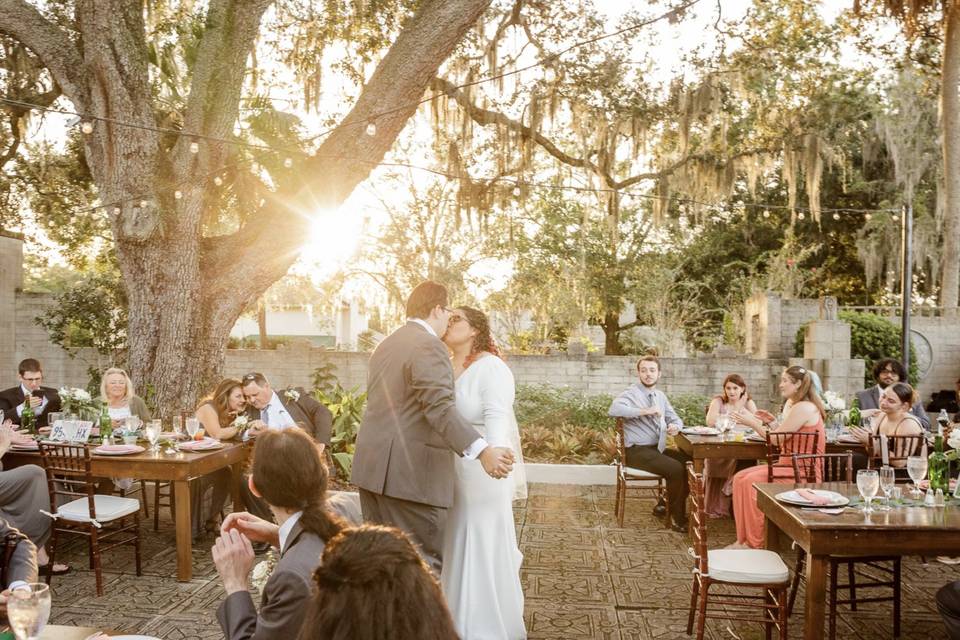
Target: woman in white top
481 560
116 390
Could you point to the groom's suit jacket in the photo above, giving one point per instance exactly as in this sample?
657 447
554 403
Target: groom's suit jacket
411 428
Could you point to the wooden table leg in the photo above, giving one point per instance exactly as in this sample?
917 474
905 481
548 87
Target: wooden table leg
815 601
698 465
236 473
181 500
771 533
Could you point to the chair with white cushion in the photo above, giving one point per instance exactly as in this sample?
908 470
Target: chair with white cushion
741 569
638 479
106 521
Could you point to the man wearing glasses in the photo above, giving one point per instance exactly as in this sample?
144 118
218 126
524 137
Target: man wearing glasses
44 400
887 372
292 407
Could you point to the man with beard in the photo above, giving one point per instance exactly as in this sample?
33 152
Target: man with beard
648 419
887 372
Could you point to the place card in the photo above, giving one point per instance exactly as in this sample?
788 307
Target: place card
70 431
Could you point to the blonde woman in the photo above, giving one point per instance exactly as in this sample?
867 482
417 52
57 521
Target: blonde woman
116 391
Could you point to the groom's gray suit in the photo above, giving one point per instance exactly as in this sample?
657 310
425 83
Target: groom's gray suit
404 458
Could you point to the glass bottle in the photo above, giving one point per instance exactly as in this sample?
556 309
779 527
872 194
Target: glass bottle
938 466
28 419
106 426
943 420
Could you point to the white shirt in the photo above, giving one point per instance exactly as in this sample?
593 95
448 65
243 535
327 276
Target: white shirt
43 401
275 415
287 527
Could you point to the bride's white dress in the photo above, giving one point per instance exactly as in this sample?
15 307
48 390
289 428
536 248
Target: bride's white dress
481 561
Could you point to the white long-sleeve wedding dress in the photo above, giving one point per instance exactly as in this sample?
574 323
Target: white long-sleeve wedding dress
481 561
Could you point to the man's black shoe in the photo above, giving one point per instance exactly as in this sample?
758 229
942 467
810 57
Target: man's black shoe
661 509
680 527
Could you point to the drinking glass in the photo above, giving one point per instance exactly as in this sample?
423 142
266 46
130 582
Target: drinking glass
152 431
176 424
28 608
917 468
868 483
52 419
193 425
723 425
888 478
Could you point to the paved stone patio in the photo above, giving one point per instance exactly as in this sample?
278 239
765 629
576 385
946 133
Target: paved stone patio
584 578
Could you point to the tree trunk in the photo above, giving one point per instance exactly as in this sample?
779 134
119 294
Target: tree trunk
950 113
611 334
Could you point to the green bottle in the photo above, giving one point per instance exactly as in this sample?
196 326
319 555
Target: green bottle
106 425
853 419
28 419
938 466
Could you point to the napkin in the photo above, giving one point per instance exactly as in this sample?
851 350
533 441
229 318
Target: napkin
812 497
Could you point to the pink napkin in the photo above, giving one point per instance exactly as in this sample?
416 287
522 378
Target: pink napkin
118 448
814 498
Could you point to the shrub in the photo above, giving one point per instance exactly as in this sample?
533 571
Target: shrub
691 407
553 407
872 337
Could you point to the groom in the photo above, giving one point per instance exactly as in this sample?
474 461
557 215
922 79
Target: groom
404 462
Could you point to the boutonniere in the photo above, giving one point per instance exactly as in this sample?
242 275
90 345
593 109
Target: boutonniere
262 571
241 422
292 394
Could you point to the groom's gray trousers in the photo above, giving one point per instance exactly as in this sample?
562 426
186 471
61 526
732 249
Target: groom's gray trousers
423 523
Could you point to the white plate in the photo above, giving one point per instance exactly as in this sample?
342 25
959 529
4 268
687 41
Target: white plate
201 448
792 497
138 449
847 440
700 431
753 437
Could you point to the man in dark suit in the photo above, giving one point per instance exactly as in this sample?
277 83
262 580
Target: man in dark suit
292 407
44 400
887 372
411 430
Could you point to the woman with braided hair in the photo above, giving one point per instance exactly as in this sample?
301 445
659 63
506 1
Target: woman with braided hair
290 476
373 585
481 561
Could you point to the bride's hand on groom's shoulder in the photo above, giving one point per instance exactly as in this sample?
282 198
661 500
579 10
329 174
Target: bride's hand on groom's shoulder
497 461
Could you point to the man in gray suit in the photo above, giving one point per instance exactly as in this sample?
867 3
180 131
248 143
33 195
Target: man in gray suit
403 463
887 372
20 563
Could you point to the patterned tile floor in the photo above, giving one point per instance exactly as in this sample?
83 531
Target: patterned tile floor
583 577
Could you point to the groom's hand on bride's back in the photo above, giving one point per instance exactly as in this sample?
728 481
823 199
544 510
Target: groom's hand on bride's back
497 461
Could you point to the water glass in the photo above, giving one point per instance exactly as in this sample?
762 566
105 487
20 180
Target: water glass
176 424
193 425
917 468
28 609
868 483
152 431
887 479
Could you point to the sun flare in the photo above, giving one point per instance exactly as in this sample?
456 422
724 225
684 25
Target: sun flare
334 238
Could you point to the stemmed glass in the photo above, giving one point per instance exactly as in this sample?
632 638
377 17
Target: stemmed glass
888 478
917 468
28 609
152 431
723 425
868 482
176 423
193 425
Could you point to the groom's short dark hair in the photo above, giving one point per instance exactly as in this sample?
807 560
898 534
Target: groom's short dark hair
425 296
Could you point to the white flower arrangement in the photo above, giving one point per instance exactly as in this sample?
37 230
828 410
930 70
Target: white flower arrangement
262 570
76 400
833 401
292 394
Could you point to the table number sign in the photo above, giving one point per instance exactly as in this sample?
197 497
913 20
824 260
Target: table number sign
71 431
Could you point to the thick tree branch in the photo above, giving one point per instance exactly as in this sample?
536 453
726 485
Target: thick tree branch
25 24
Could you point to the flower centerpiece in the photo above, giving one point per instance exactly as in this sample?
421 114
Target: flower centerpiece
79 402
835 405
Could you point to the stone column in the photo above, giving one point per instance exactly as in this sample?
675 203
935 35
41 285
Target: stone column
826 350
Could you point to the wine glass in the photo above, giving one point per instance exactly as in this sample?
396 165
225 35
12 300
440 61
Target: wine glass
28 608
917 468
868 483
193 425
723 425
152 431
888 478
176 424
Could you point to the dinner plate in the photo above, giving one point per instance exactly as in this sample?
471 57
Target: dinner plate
753 437
792 497
134 448
847 440
200 446
25 447
700 431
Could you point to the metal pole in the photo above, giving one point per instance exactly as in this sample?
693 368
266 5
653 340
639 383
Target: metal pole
906 272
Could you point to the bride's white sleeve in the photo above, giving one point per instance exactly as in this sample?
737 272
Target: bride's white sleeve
497 391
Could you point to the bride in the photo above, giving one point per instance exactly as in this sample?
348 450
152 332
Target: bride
481 561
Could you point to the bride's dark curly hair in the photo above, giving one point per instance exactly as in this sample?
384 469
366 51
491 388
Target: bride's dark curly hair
483 341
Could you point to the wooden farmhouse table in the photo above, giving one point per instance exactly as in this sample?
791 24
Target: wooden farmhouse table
701 448
902 531
177 468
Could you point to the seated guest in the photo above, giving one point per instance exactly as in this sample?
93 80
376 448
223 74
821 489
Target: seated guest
648 419
22 565
373 585
24 494
288 472
116 391
886 372
948 602
44 400
719 473
290 408
896 418
802 413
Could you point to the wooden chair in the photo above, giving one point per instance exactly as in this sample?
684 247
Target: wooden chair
838 467
735 570
781 445
899 448
101 519
630 478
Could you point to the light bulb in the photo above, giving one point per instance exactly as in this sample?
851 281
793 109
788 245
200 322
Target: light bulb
836 216
288 163
116 211
177 194
371 129
143 204
194 147
516 190
766 214
218 181
87 127
896 218
867 216
801 216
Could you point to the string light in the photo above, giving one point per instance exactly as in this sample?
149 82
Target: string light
895 218
766 214
516 190
177 194
86 128
371 128
836 216
867 217
801 216
288 163
217 180
116 211
143 204
194 147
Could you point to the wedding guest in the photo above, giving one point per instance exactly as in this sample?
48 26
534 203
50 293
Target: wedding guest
648 419
803 412
886 372
718 473
895 418
116 390
288 472
289 408
948 602
373 585
22 564
44 400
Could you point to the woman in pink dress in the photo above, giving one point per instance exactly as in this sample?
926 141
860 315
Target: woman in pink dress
802 413
719 473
